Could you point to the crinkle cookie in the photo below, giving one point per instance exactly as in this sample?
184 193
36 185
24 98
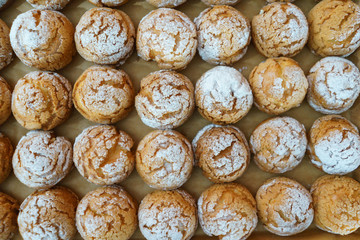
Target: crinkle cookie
166 3
6 153
220 2
6 52
108 3
48 4
9 208
5 100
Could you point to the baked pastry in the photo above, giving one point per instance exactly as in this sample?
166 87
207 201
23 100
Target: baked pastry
227 211
43 39
107 213
278 84
108 3
168 215
221 152
166 3
278 144
5 100
280 29
6 153
103 94
223 95
165 100
168 37
41 159
104 155
5 3
48 4
164 159
284 206
336 204
9 208
220 2
105 36
341 40
271 1
232 31
334 145
6 52
48 214
41 100
334 85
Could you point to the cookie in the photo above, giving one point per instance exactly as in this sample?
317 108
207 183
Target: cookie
108 3
220 2
6 153
9 208
48 4
6 52
166 3
5 100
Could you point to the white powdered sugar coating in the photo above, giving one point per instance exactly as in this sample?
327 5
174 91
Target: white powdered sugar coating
220 2
48 4
166 3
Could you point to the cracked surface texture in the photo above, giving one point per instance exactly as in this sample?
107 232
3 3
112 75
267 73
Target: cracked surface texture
166 99
280 29
278 144
271 1
221 152
227 211
43 39
41 159
48 4
166 3
223 95
48 214
336 204
108 3
278 84
334 145
6 52
104 94
168 215
284 206
104 155
220 2
164 159
5 99
9 208
223 35
6 153
107 213
105 36
168 37
41 100
334 85
334 28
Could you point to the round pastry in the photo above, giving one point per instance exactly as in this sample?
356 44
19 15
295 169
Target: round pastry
168 37
336 204
334 85
220 2
168 215
6 153
43 39
232 31
278 84
341 40
48 4
6 52
165 100
280 29
9 208
5 100
284 206
223 95
278 144
271 1
48 214
166 3
107 213
105 36
41 159
103 155
41 100
227 211
103 94
334 145
221 152
164 159
108 3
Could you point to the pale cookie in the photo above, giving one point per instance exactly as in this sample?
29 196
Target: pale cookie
278 84
5 100
48 214
41 100
284 206
223 35
336 204
103 94
334 145
43 39
334 85
334 28
6 52
104 155
164 159
107 213
48 4
105 36
221 152
168 215
166 3
227 211
220 2
108 3
278 144
6 153
9 208
166 99
168 37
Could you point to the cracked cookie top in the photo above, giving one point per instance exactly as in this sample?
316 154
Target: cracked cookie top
48 4
9 208
6 52
5 99
108 3
166 3
6 153
220 2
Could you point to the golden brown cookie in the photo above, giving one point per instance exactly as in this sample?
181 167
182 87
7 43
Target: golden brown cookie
103 94
271 1
5 100
6 52
166 3
108 3
48 4
6 153
9 208
41 100
168 37
43 39
220 2
107 213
